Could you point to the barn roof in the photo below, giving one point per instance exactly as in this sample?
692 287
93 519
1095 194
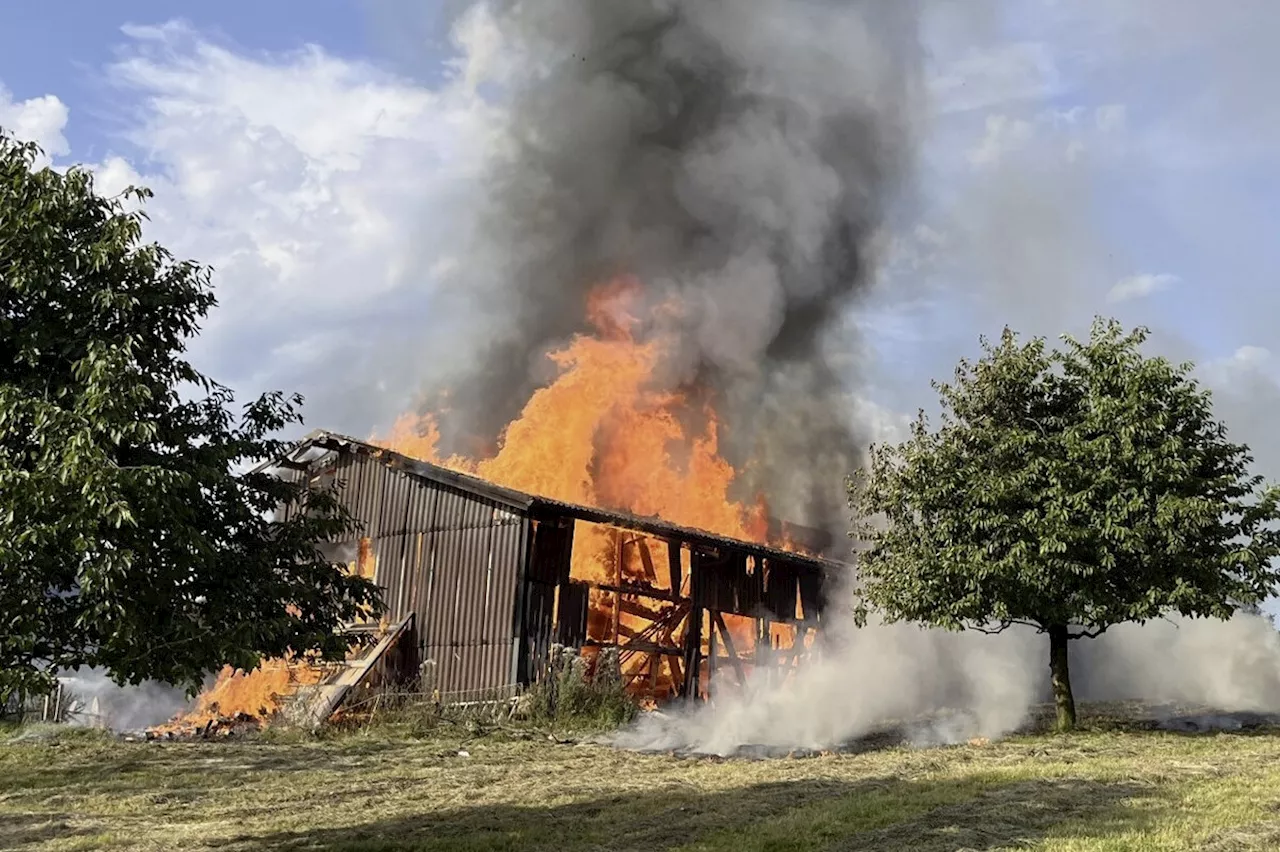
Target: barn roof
534 505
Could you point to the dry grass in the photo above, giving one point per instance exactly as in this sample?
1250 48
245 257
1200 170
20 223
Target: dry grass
1097 790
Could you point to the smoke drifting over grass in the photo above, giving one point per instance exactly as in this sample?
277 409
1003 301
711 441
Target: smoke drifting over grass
1226 665
941 688
938 687
121 708
738 159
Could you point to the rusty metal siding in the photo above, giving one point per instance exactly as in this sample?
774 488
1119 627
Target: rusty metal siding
451 558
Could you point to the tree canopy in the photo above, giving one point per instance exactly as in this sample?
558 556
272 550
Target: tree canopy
134 533
1069 490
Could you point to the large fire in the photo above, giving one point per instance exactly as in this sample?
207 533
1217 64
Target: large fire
601 434
604 434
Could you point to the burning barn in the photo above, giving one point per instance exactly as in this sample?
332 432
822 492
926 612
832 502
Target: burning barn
482 580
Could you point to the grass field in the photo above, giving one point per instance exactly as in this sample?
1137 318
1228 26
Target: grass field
383 790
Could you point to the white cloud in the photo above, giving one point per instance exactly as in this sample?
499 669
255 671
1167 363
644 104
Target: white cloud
1251 356
1111 118
1140 286
41 120
1062 135
1244 368
328 195
997 75
1003 136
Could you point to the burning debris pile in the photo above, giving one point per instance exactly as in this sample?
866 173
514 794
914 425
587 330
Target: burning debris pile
240 702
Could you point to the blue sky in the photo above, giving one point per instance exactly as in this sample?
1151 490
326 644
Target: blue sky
1100 156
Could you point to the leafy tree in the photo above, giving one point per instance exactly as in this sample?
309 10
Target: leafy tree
130 538
1068 490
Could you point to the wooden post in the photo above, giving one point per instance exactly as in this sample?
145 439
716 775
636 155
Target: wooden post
733 652
692 653
775 673
617 596
712 653
693 633
646 559
764 649
674 567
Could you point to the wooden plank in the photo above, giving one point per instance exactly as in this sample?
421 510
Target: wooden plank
669 638
733 652
617 600
632 607
320 701
646 559
674 566
692 653
637 646
639 591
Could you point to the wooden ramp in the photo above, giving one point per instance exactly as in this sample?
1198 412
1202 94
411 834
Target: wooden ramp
313 705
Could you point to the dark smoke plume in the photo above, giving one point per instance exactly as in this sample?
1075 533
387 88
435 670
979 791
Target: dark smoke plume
739 154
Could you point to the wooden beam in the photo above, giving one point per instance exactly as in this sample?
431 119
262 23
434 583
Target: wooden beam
668 636
733 652
637 646
640 591
712 655
617 597
692 653
646 559
631 607
674 566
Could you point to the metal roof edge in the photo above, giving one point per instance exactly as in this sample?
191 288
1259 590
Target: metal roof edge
524 502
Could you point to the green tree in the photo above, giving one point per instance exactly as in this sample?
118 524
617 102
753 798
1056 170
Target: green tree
1068 490
133 534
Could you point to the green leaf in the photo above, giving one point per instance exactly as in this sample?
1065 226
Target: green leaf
127 540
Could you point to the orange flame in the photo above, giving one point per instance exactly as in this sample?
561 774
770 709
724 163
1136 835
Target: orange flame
602 434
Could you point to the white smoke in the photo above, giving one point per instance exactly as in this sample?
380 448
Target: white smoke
936 687
1226 665
96 701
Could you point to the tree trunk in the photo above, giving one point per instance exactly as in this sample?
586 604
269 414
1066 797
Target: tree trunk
1063 700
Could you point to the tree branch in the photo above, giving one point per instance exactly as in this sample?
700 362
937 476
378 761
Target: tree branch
1005 625
1086 634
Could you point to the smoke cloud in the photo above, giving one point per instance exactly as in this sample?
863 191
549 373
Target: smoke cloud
742 161
935 687
738 159
932 686
1225 665
98 701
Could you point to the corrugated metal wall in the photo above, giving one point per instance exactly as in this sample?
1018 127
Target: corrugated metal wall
454 560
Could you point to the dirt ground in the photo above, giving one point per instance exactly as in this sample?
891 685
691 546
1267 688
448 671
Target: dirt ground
447 789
